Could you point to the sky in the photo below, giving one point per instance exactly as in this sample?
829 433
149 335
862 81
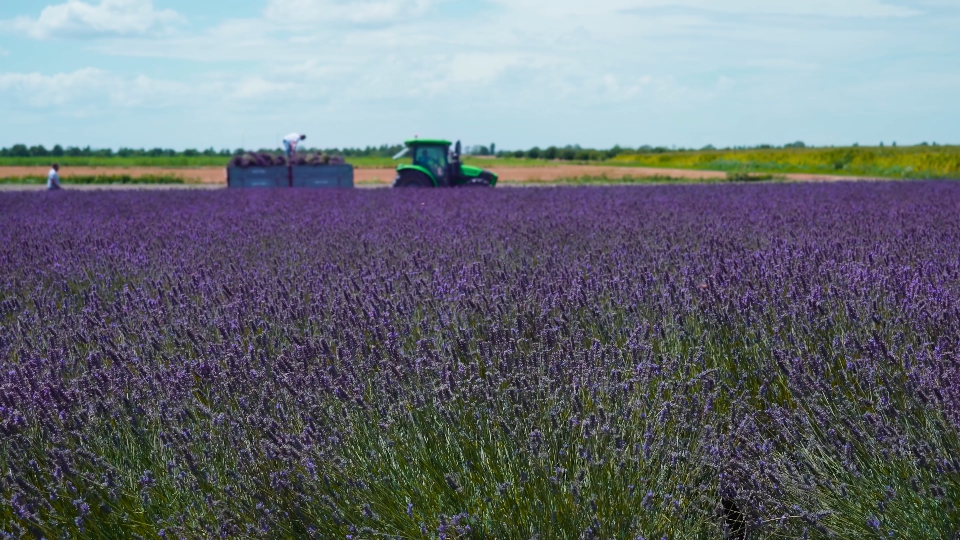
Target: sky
519 73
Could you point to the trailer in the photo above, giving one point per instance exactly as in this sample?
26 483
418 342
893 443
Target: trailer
298 176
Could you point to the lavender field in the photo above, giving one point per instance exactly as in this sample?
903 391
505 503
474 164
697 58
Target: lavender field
742 361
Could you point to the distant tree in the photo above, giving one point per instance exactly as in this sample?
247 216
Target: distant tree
190 152
155 152
519 154
585 155
239 152
38 151
57 151
493 149
708 148
125 152
73 151
533 153
568 154
798 144
210 152
551 153
19 150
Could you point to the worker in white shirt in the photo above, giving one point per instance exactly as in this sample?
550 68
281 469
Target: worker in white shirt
53 177
290 143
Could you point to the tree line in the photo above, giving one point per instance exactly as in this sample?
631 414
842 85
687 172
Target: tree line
24 151
577 153
568 153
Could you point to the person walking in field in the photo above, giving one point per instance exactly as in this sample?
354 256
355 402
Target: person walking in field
53 177
290 143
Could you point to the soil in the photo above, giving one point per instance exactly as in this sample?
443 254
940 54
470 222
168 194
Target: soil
373 177
112 187
552 174
201 175
806 177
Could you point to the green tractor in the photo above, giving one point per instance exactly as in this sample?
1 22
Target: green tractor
434 165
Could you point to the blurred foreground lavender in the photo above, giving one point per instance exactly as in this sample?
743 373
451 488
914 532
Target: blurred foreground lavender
526 363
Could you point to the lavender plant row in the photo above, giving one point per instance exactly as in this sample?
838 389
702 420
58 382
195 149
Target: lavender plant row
771 361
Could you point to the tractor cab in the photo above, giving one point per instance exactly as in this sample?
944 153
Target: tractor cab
433 164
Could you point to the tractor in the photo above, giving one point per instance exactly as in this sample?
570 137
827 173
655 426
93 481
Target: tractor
434 165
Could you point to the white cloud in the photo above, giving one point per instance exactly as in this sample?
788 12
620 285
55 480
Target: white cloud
259 88
784 64
89 87
92 89
521 72
44 90
825 8
585 53
353 11
110 17
301 12
483 68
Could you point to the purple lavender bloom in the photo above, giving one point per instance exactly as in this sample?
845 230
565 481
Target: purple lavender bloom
771 359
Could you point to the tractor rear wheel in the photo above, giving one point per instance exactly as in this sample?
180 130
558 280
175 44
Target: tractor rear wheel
412 179
484 180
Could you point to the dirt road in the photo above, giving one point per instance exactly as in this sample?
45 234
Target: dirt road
373 177
216 175
201 175
552 174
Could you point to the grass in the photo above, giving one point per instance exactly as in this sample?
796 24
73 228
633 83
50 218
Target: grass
94 161
881 162
490 162
485 163
220 161
604 180
98 179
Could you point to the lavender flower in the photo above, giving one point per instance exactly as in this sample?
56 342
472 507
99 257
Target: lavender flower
548 362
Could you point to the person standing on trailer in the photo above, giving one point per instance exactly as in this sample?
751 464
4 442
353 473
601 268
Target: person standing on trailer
290 143
53 177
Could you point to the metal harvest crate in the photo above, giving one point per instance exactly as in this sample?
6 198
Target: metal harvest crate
321 176
257 177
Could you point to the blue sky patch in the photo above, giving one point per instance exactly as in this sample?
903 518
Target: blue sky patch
178 73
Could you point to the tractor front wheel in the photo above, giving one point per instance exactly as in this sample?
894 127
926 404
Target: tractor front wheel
412 179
